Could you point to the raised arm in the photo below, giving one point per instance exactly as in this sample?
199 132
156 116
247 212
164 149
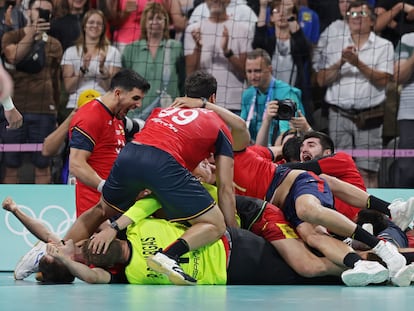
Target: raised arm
13 116
54 140
385 17
35 227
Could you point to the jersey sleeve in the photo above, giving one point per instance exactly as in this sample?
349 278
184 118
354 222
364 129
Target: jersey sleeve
143 208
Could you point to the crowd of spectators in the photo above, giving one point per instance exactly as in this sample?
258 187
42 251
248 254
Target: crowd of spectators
343 60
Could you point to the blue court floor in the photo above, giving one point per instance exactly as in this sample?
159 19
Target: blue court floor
29 295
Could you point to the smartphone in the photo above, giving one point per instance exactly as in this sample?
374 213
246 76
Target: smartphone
44 14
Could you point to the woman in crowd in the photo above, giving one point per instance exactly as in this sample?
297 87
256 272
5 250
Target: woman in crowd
288 47
92 61
157 58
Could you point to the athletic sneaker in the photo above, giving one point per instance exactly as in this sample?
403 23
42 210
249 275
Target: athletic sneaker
29 263
390 255
404 277
402 212
365 272
163 264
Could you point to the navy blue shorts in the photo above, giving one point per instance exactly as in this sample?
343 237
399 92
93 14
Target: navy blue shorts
36 127
306 183
394 234
141 167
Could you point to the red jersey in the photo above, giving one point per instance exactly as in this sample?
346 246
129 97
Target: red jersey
94 128
189 135
253 173
342 166
262 151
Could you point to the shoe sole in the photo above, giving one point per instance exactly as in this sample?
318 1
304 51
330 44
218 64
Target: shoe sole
403 277
363 279
173 276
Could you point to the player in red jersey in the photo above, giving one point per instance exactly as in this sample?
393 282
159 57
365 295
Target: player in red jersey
97 135
160 158
317 154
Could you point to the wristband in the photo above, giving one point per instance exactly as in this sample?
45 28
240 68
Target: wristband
114 225
100 186
8 104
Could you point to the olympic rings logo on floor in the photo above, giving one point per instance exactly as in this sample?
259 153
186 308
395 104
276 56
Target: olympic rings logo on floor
56 218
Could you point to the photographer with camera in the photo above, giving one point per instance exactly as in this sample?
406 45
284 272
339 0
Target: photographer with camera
35 56
266 90
281 110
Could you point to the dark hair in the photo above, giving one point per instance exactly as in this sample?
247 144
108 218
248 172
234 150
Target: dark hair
200 84
326 141
54 272
112 256
378 220
33 1
258 52
128 79
291 149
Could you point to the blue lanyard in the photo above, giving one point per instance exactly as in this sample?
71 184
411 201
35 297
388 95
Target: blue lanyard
253 103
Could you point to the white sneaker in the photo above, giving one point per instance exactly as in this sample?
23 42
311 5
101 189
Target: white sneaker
390 255
404 277
365 272
402 212
29 263
163 264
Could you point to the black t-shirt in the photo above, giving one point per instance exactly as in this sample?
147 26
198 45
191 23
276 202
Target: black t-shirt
327 10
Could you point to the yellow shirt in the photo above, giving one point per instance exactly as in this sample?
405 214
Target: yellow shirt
206 264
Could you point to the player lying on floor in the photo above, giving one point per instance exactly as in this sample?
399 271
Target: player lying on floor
239 257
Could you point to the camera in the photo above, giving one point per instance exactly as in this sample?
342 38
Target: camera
287 109
44 14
